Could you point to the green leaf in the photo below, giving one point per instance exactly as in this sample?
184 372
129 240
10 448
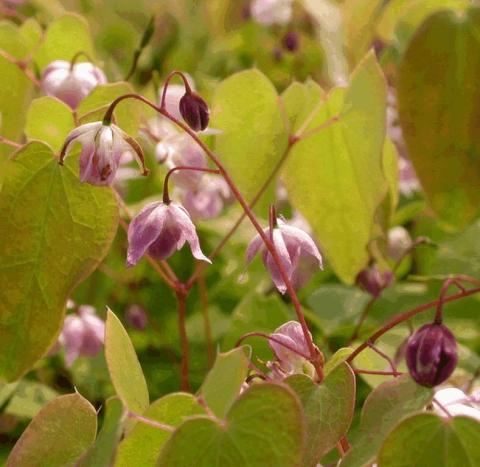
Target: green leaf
245 109
31 33
335 176
260 313
143 443
430 441
65 37
54 129
263 427
29 397
336 359
61 432
15 88
439 106
328 409
127 113
102 452
337 305
54 231
223 382
123 366
384 408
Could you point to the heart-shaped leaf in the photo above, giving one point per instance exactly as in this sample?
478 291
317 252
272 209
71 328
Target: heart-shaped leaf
60 433
328 409
384 408
222 384
124 367
54 231
264 426
439 106
430 441
143 443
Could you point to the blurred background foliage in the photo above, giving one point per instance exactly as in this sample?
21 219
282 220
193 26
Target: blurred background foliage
210 40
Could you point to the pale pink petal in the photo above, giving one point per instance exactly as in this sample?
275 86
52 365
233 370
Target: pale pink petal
188 230
293 234
144 229
284 257
254 246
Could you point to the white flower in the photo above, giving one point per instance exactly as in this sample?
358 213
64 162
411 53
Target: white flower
268 12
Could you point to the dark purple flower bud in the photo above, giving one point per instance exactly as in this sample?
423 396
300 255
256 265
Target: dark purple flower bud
194 111
373 281
431 354
136 317
291 41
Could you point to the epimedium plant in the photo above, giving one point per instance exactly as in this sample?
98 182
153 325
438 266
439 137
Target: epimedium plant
281 391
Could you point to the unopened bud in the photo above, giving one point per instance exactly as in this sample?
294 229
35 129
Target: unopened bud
136 317
431 354
194 111
373 281
291 41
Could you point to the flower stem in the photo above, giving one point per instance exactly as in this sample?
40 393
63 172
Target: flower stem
166 197
75 58
206 319
181 299
148 421
406 316
188 89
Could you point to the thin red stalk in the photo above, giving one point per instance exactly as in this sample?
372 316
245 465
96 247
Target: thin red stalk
206 319
167 82
362 319
377 372
442 407
166 197
21 65
314 355
273 339
385 356
406 316
181 299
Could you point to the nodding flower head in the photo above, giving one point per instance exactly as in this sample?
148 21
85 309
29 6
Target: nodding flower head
291 41
431 354
194 111
292 356
82 334
102 148
269 12
174 94
293 246
71 83
160 229
136 317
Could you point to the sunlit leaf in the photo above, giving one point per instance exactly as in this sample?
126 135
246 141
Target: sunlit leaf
60 433
54 230
431 441
143 443
328 409
439 112
123 366
223 382
335 177
264 427
384 408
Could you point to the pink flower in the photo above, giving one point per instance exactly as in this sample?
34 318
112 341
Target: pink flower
161 229
269 12
373 281
82 334
102 148
71 84
293 245
207 199
456 402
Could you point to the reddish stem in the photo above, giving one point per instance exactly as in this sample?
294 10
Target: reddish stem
188 90
406 316
166 197
148 421
181 299
206 319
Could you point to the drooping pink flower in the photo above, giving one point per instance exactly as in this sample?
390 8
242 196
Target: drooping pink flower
292 245
399 242
82 334
102 149
373 281
161 229
71 84
291 334
269 12
206 201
